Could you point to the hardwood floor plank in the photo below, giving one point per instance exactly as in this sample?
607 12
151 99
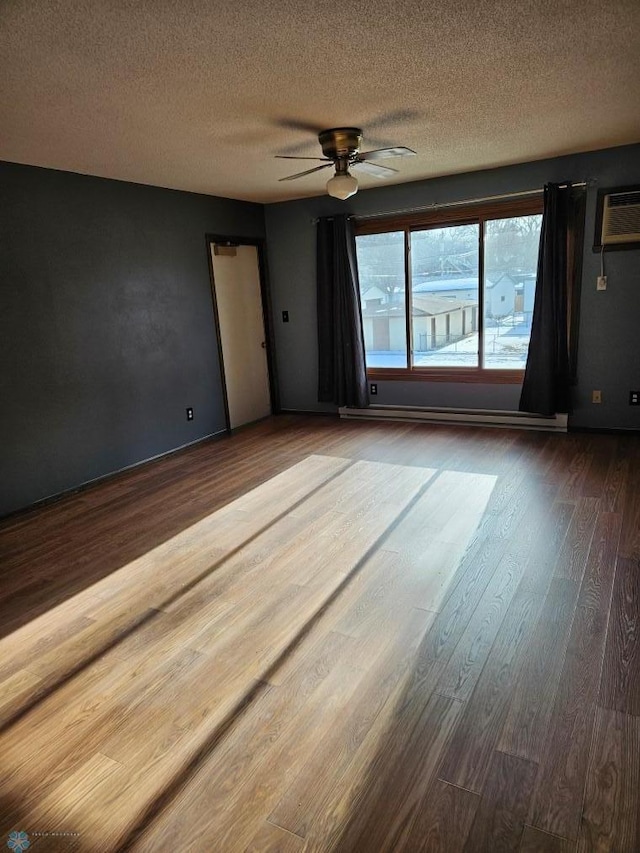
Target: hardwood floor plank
478 566
17 688
604 450
144 783
576 475
288 488
65 810
503 808
61 734
443 820
557 458
363 482
433 536
233 667
383 807
467 760
548 546
573 556
34 639
450 511
231 822
616 485
620 685
630 537
331 764
611 812
536 841
527 723
324 820
274 839
431 577
563 767
377 593
469 657
371 609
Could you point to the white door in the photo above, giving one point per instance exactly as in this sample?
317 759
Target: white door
236 280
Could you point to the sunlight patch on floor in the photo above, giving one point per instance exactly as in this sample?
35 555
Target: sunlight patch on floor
328 546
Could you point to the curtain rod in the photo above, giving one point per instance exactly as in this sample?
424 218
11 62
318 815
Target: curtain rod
438 205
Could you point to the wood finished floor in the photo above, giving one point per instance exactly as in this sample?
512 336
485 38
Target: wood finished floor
319 635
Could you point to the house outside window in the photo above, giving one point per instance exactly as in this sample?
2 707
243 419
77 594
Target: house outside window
449 295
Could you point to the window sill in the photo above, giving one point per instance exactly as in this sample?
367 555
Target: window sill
447 374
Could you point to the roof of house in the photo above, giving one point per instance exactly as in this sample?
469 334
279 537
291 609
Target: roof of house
438 285
421 306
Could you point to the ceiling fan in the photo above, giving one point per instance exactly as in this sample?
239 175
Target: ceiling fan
341 148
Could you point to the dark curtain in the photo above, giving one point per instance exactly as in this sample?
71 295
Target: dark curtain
342 374
551 362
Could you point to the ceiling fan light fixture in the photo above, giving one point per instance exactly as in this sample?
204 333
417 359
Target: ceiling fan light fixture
342 186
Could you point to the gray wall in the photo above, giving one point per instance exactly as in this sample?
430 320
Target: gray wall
106 325
609 348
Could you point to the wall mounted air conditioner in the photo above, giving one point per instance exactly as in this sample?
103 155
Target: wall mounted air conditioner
618 219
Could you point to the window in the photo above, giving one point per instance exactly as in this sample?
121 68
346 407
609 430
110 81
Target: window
450 295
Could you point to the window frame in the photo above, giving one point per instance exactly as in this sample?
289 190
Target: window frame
464 214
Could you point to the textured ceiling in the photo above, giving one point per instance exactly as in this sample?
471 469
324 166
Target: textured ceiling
201 95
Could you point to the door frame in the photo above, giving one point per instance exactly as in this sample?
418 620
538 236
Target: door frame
267 314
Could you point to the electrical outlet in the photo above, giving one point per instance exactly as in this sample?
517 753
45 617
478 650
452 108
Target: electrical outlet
373 389
634 398
189 413
601 283
596 396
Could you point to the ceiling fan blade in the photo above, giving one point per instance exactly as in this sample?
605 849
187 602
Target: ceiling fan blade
297 124
373 169
383 153
392 118
308 172
292 157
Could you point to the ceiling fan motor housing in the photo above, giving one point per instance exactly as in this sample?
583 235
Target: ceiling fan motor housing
341 142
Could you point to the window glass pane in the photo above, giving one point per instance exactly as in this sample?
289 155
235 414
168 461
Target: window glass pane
382 296
510 261
444 294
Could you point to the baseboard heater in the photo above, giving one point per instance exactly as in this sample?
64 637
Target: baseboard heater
480 417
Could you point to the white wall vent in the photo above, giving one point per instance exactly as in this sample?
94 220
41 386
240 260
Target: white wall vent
620 218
